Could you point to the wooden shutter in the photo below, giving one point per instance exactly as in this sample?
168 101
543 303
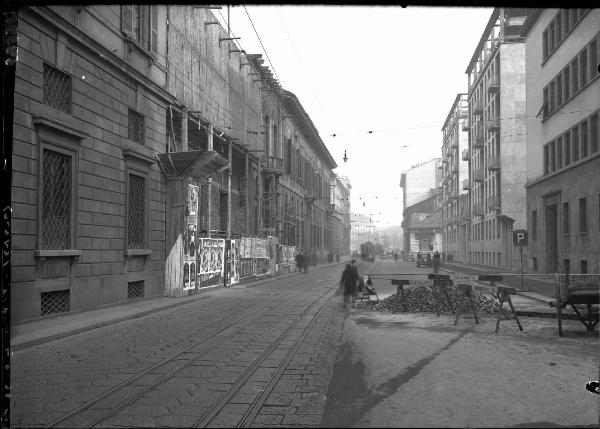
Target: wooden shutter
126 18
154 29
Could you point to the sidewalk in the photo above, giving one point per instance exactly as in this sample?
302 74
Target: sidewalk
536 288
30 333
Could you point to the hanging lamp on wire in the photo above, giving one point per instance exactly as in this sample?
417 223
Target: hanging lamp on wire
345 158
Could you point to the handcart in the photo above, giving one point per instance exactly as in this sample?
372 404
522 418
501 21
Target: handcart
365 290
574 290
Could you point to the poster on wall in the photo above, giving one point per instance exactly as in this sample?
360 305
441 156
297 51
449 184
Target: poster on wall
210 260
186 275
191 240
192 200
234 262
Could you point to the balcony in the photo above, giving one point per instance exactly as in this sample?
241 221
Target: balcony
477 209
477 107
465 125
478 175
494 202
272 165
494 84
494 163
466 184
478 138
493 124
466 156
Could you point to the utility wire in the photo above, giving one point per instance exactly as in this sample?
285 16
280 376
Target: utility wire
261 44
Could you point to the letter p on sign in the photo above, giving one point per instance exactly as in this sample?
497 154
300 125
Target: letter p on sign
520 237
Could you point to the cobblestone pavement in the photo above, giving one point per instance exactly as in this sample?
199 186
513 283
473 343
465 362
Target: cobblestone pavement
51 379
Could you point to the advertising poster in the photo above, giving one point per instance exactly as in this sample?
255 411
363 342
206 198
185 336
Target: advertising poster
210 260
192 200
246 268
234 262
186 276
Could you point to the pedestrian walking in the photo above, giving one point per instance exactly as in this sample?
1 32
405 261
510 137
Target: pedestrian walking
299 261
349 282
305 262
337 256
396 257
330 256
435 262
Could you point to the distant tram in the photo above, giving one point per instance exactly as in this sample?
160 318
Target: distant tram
367 251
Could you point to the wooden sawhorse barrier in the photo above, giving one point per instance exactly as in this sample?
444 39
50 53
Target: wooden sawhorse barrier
502 293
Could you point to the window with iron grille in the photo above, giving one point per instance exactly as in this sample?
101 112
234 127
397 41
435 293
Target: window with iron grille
56 88
56 200
55 302
135 130
135 289
136 212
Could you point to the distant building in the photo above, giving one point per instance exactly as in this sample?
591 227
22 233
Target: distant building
496 124
455 181
421 197
362 229
563 157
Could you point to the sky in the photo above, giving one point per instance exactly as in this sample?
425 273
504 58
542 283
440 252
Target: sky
381 79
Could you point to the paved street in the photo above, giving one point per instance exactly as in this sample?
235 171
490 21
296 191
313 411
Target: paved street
285 353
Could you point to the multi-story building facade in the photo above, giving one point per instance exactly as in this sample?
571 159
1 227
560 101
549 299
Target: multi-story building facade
339 215
421 184
496 124
145 140
563 157
362 229
455 181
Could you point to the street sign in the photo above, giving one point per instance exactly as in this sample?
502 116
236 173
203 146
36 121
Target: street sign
520 237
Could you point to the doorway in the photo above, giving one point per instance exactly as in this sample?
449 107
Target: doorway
551 227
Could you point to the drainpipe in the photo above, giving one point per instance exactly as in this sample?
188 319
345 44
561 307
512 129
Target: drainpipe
229 159
209 190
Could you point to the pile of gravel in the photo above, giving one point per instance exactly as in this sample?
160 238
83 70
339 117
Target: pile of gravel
421 299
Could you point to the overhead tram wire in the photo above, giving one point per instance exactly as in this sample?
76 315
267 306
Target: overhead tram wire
261 44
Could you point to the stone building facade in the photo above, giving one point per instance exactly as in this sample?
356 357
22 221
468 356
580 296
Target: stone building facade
140 142
455 181
563 155
496 125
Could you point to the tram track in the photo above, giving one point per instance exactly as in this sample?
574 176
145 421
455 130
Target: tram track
69 418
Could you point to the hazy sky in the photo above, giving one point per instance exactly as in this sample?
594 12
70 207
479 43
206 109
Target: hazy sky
388 70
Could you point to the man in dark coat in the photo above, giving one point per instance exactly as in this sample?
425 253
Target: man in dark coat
299 261
435 262
349 282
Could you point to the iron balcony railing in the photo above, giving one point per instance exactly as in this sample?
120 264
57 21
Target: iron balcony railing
272 164
493 124
478 175
494 202
494 83
478 209
494 162
478 138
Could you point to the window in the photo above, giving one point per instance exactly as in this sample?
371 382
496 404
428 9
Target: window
565 218
574 76
141 23
566 82
583 266
534 224
546 160
56 88
575 143
545 106
552 157
566 22
593 58
558 21
567 265
594 133
552 96
567 138
135 128
584 139
535 265
551 37
583 68
559 94
582 215
559 152
545 44
56 201
136 212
